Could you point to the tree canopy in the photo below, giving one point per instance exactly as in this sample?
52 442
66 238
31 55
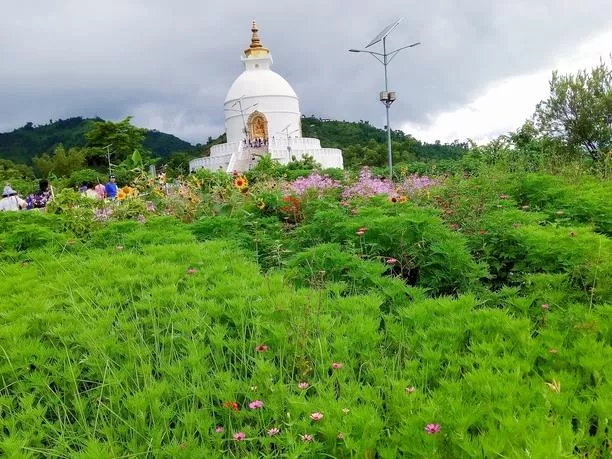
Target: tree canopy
578 111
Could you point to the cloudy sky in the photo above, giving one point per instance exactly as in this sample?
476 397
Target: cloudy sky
481 69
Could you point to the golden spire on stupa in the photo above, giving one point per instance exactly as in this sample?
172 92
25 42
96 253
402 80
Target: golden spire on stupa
256 49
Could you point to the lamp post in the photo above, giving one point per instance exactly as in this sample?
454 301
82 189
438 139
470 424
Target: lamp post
386 97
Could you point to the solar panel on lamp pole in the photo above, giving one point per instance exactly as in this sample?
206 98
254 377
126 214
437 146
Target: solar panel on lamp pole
386 97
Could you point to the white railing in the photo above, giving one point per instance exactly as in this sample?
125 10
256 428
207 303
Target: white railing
327 157
235 155
224 149
212 163
297 143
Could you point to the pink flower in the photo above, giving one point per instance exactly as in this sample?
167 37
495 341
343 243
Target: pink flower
391 261
239 436
359 233
304 385
314 181
273 431
192 271
545 306
340 436
316 416
256 404
410 389
337 365
262 348
432 429
219 429
306 437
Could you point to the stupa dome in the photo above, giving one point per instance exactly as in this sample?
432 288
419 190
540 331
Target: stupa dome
257 83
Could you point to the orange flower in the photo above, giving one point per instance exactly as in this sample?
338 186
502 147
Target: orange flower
241 182
231 405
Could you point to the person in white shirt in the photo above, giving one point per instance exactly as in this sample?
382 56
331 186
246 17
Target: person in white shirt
10 201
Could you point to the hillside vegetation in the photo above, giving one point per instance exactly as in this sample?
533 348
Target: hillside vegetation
23 144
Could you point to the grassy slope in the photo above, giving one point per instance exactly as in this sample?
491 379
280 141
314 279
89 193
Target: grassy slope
110 352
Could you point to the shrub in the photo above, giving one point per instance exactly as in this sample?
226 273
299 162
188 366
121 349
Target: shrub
429 255
588 201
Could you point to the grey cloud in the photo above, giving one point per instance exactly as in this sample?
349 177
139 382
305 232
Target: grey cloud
171 63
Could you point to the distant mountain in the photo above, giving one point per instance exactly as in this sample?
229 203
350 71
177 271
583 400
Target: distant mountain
22 144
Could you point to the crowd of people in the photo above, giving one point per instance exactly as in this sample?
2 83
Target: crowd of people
11 201
256 143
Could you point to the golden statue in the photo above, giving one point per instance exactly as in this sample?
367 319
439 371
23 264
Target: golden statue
258 126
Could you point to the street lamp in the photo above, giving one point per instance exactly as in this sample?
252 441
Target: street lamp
386 97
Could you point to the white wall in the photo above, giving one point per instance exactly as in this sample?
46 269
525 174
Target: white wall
280 111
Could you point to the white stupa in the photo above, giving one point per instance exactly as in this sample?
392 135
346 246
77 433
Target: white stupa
262 116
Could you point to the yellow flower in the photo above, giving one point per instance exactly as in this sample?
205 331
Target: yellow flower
261 204
241 182
121 195
403 198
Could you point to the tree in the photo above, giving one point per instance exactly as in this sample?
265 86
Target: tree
62 163
123 138
10 170
579 111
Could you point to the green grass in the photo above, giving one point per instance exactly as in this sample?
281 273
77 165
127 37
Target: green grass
133 338
122 351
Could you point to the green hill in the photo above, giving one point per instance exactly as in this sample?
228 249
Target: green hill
365 144
22 144
361 142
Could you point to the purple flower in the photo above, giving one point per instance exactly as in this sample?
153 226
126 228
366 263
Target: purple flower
103 215
151 207
415 183
255 405
314 181
432 429
368 186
